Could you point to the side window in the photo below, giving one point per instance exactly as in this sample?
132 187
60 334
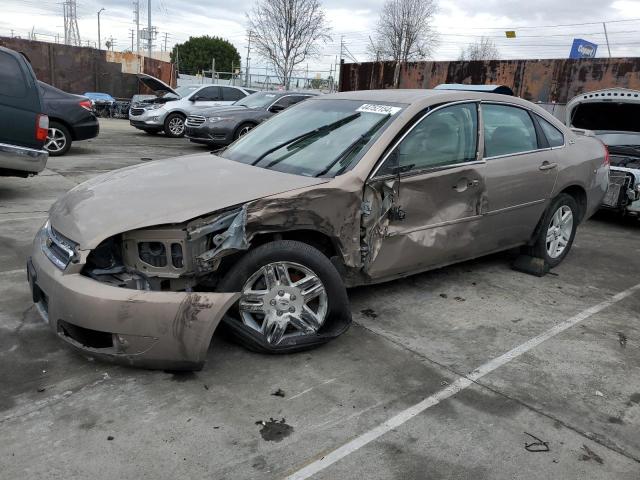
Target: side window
287 101
209 94
12 81
232 94
507 130
445 137
554 136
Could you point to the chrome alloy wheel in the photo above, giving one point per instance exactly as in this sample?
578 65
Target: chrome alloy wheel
559 231
282 300
176 126
56 140
244 130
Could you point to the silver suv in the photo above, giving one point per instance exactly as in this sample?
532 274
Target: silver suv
172 106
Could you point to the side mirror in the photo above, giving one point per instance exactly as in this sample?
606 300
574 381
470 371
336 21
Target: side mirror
276 108
195 98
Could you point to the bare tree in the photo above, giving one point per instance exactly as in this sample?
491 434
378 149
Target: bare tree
404 31
483 49
287 32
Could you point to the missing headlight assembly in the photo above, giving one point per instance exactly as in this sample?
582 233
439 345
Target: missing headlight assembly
174 258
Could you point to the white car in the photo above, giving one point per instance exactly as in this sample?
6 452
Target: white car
172 106
613 116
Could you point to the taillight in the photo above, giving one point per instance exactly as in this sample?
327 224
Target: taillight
86 104
42 127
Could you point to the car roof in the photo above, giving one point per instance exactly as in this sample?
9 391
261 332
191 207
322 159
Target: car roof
431 96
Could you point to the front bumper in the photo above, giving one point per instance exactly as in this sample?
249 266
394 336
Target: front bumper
150 329
149 119
210 135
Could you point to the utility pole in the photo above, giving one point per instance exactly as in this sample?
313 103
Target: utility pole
213 68
247 62
132 37
338 69
99 39
136 12
149 32
604 25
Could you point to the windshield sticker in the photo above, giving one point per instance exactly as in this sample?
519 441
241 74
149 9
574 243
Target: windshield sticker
381 109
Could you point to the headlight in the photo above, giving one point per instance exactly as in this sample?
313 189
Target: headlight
155 106
217 119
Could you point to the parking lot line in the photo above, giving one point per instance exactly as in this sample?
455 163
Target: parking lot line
461 383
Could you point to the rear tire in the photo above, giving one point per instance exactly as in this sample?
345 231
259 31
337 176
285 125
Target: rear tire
302 281
557 230
174 125
58 140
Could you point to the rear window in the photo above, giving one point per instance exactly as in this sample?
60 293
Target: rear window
12 81
231 94
622 117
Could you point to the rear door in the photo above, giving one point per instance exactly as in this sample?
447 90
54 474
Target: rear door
19 101
432 186
521 172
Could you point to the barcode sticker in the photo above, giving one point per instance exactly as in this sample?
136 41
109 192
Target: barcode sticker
381 109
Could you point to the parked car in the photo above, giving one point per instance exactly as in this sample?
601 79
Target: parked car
70 119
340 190
221 126
614 116
172 107
23 123
102 103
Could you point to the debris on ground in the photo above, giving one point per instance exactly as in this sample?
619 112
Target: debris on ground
444 295
537 445
41 389
459 299
274 430
369 312
278 393
599 393
591 455
622 338
206 387
110 437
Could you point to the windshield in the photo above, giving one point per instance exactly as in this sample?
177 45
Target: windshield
185 90
315 137
619 116
258 100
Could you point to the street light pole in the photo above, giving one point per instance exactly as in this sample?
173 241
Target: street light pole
99 40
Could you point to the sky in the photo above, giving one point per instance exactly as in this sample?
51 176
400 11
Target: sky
544 28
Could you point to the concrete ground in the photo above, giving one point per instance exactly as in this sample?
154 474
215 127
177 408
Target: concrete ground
577 387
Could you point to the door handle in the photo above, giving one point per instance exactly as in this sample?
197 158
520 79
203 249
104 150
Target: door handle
547 166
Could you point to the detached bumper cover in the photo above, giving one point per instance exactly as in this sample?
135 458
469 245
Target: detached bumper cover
169 330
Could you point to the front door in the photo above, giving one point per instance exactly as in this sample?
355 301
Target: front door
207 97
430 194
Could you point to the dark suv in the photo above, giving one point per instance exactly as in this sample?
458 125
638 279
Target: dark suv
23 126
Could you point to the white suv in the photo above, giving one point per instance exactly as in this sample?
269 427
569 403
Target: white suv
172 106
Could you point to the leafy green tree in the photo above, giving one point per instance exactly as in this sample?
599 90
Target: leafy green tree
196 54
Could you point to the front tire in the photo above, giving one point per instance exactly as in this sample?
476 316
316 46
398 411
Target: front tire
293 298
174 125
58 140
242 130
558 229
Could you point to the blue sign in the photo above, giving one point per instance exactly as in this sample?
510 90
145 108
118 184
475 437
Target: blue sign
583 49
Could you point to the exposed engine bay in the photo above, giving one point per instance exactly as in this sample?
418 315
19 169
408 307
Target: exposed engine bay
169 258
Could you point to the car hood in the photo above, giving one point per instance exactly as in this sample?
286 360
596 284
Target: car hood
163 192
155 85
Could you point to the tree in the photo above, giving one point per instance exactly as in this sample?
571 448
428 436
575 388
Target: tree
197 53
404 31
483 49
287 32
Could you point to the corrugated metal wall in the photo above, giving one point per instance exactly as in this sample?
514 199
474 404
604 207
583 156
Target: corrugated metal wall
554 80
84 69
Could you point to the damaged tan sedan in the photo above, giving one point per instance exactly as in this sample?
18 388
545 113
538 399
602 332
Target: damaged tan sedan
142 264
